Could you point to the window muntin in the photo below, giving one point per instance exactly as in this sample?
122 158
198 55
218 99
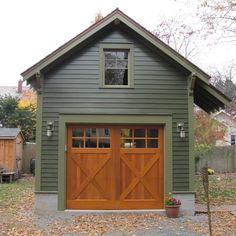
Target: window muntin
116 67
139 138
90 137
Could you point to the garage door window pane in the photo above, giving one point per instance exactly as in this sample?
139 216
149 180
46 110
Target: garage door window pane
139 143
77 143
126 133
127 143
103 132
152 133
77 132
139 133
152 143
91 143
91 132
104 143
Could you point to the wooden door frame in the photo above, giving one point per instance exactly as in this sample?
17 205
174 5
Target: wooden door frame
112 119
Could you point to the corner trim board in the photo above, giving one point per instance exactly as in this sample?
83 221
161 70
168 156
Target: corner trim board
38 141
191 137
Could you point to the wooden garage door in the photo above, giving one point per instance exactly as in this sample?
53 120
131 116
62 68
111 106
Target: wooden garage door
115 167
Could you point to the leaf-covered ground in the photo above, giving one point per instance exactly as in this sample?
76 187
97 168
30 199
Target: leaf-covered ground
17 218
222 189
16 199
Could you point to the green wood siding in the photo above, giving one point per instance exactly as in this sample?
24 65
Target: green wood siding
73 87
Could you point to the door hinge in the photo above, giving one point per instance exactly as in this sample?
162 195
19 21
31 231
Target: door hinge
65 148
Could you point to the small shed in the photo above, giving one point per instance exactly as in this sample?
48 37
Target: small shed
11 149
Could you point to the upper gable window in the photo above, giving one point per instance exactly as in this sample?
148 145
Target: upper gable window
116 65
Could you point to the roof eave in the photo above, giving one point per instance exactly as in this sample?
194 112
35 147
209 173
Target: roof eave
8 137
209 98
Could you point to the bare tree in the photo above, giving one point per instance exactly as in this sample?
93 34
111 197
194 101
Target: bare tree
224 81
179 36
219 16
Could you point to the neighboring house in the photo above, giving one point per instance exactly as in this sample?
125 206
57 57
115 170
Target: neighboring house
14 91
115 120
230 123
11 149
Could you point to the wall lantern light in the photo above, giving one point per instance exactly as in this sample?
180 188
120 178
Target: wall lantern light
50 128
180 128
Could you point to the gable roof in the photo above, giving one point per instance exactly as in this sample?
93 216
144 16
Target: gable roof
225 114
222 112
9 133
215 99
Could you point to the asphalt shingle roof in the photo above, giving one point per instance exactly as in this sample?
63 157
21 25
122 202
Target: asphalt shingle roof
9 133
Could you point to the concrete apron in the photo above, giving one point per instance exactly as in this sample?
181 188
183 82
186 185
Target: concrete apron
46 204
97 212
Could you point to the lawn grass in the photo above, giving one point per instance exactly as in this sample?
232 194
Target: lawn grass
222 189
11 194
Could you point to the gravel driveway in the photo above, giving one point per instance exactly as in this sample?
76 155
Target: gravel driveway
122 224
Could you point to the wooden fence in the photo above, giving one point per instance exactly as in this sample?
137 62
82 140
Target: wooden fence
29 153
221 159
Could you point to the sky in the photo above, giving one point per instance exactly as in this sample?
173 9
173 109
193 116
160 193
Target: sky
31 29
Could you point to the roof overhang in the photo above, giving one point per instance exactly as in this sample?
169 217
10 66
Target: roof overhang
205 95
209 98
7 137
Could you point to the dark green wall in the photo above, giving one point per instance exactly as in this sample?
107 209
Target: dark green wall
73 87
